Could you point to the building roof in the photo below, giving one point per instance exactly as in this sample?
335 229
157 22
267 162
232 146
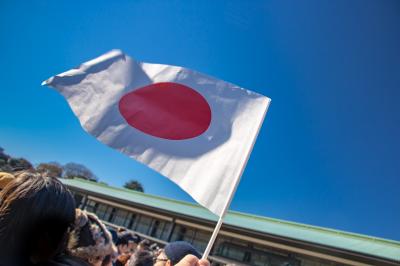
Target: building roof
379 247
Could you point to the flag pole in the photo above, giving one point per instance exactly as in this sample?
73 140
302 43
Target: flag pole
232 192
213 237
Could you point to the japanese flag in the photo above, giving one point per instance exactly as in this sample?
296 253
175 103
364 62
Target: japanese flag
194 129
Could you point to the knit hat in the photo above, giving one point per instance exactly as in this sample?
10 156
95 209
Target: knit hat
176 251
89 239
5 178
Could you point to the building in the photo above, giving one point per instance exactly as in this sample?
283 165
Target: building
244 239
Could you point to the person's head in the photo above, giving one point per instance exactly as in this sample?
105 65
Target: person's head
107 261
122 259
121 230
141 258
174 252
35 214
134 241
154 248
127 242
161 258
114 234
144 245
90 240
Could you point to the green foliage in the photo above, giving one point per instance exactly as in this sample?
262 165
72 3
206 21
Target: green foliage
72 170
10 164
53 169
50 169
134 185
19 164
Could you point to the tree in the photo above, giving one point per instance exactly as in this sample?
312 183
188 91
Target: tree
4 166
134 185
10 164
19 164
52 169
3 156
72 170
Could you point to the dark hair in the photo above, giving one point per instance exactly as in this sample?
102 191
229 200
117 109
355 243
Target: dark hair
35 214
122 259
141 258
90 239
145 243
126 237
154 247
107 260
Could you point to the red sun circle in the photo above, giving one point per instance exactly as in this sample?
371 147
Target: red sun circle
166 110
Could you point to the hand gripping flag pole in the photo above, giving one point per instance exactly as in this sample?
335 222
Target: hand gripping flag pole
232 192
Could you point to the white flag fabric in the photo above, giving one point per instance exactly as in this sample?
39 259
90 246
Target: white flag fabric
194 129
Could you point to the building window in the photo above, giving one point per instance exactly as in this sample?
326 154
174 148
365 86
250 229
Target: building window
179 233
259 259
315 262
130 222
232 252
166 230
235 249
78 199
247 256
197 238
201 239
160 229
91 206
155 228
143 225
189 235
120 217
111 216
104 211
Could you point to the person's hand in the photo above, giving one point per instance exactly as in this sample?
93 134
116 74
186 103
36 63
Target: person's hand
190 260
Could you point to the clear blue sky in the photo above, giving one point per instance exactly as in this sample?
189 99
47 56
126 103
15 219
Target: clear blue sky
329 151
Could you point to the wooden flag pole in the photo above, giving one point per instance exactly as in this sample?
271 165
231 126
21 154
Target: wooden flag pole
232 192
